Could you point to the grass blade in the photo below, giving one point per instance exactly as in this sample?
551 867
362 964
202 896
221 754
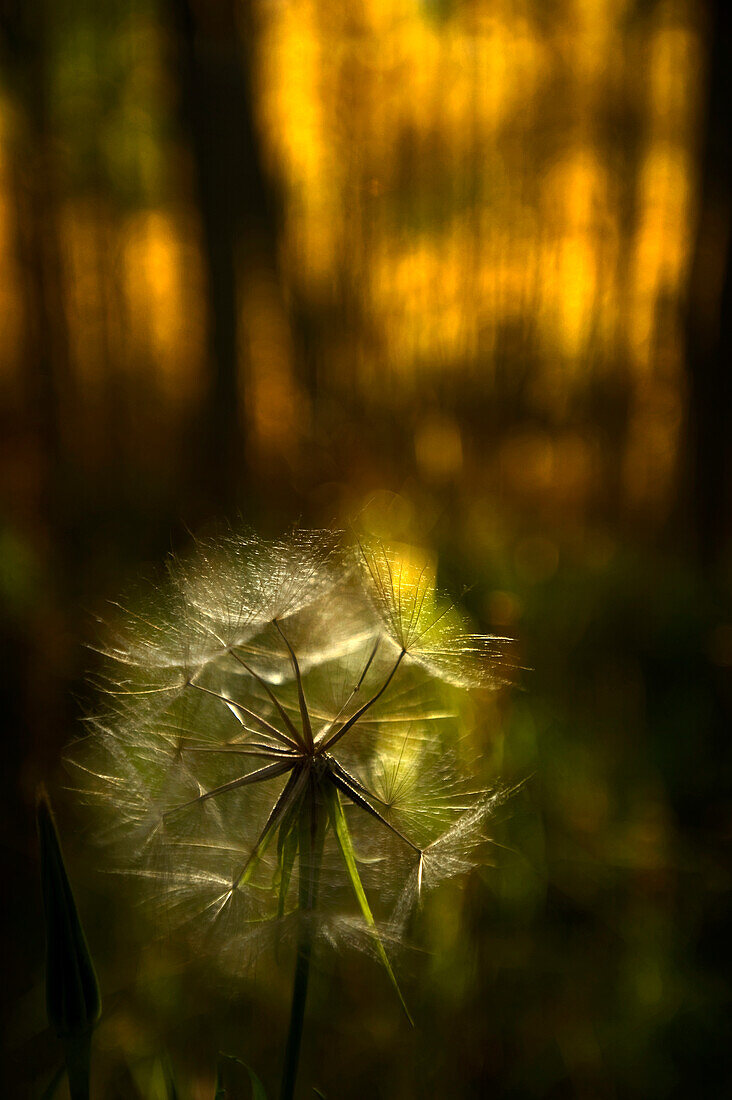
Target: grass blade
343 836
222 1093
72 993
287 845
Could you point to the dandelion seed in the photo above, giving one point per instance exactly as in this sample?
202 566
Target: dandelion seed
424 624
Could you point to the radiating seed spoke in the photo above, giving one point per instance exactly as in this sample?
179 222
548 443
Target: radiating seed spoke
250 750
281 710
292 789
347 703
362 710
269 771
304 715
356 783
249 713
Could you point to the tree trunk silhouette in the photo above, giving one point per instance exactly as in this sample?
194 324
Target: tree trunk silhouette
709 311
46 376
211 39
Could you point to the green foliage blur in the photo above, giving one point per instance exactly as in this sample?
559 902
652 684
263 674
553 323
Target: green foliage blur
450 270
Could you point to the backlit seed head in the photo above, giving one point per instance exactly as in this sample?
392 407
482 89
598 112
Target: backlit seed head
283 723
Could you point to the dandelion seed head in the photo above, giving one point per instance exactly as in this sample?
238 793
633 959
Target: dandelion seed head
267 681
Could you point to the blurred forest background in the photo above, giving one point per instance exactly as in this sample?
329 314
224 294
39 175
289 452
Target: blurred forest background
461 269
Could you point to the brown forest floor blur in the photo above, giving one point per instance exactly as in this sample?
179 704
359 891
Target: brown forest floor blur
460 268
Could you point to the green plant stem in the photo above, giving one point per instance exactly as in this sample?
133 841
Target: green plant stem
312 831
